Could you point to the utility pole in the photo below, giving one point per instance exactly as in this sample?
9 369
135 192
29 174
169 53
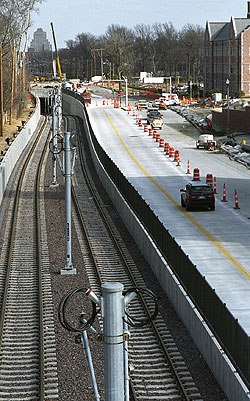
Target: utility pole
12 84
101 66
68 268
101 57
1 92
87 73
24 73
93 52
113 313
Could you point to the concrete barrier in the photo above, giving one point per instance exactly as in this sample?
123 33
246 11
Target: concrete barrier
16 148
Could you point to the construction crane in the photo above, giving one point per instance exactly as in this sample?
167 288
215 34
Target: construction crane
57 57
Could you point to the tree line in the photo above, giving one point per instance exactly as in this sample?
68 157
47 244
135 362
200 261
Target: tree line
15 20
159 49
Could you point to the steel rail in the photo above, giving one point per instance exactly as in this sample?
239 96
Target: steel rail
39 265
184 396
38 249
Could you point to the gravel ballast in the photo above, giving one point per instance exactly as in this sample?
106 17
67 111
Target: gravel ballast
74 378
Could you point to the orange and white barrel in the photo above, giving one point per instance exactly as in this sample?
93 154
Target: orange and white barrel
196 174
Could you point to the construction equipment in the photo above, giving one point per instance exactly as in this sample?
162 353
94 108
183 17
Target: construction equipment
57 57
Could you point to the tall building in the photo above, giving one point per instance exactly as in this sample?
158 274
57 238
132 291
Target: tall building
39 42
227 55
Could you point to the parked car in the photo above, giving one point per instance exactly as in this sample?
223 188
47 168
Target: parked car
196 194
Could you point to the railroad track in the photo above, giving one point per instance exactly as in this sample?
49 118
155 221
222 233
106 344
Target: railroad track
28 369
157 369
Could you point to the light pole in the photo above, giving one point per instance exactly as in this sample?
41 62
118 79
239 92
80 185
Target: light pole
227 83
126 91
110 70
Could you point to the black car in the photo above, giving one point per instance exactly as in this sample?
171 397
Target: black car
196 194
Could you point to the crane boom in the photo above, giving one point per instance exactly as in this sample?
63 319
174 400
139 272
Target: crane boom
57 57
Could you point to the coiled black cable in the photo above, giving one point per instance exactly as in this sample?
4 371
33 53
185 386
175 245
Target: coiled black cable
130 320
133 321
62 310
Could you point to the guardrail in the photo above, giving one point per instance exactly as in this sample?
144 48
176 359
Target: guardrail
226 328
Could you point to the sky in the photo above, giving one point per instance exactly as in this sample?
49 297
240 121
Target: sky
71 17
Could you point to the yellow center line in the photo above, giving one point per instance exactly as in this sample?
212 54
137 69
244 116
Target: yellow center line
189 217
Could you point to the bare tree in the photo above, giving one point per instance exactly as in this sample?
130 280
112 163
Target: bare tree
159 48
120 48
145 47
15 20
191 47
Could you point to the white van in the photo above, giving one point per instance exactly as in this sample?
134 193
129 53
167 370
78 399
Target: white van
170 98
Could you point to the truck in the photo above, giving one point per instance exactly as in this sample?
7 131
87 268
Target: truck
142 104
96 78
170 99
206 141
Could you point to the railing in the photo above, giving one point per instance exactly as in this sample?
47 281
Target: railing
226 328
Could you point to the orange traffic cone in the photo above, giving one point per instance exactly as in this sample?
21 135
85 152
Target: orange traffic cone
224 199
236 200
178 160
215 192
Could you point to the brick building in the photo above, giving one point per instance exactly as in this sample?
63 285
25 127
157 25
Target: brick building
227 55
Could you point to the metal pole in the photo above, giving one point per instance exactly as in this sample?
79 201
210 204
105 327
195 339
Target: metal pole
126 91
85 345
59 102
68 269
227 83
101 66
12 84
54 144
112 305
126 367
228 107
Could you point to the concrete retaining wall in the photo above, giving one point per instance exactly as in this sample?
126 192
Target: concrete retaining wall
215 357
17 147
